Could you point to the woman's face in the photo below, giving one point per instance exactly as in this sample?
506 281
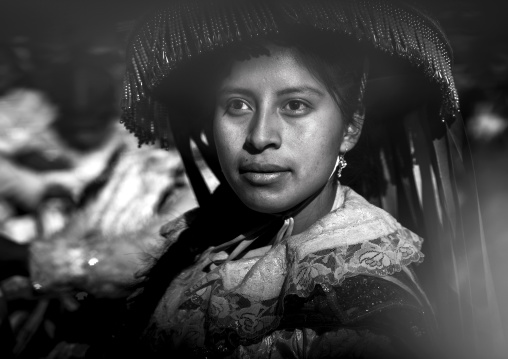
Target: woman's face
277 130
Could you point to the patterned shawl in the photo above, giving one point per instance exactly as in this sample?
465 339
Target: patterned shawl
246 296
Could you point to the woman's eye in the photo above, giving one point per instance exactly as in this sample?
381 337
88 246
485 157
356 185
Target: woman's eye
296 107
237 107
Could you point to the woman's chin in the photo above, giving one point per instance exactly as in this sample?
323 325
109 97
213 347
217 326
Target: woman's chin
266 205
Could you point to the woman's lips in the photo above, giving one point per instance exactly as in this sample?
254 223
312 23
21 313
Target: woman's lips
262 174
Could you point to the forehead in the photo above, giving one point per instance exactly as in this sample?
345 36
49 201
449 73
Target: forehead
281 67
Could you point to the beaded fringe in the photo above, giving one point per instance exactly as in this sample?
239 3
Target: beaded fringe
188 28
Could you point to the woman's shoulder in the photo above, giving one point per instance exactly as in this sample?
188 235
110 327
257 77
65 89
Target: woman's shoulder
356 300
366 311
356 238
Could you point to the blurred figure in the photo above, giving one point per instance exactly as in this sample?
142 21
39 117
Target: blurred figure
73 149
96 199
24 113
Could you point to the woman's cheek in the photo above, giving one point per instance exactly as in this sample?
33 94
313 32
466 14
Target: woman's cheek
326 153
229 147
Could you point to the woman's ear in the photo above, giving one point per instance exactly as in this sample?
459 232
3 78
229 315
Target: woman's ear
351 136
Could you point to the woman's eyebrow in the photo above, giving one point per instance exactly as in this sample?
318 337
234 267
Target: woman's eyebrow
300 90
234 90
286 91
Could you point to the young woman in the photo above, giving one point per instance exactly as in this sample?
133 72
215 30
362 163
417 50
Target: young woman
283 259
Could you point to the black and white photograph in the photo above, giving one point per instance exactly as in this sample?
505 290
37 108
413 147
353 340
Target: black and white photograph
253 179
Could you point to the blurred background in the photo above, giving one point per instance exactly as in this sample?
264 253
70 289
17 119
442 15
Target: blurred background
65 161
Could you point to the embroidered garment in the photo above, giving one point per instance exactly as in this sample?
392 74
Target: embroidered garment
310 294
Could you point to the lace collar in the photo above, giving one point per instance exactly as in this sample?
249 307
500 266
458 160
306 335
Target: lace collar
247 295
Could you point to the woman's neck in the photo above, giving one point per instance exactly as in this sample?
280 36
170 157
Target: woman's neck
317 208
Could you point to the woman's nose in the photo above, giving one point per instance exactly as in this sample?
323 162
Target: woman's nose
264 132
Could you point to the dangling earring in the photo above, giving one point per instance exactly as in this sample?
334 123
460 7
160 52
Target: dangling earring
341 164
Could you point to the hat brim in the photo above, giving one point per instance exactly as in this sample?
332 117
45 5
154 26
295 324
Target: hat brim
186 30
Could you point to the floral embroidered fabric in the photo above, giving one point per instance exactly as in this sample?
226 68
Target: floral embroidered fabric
244 299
